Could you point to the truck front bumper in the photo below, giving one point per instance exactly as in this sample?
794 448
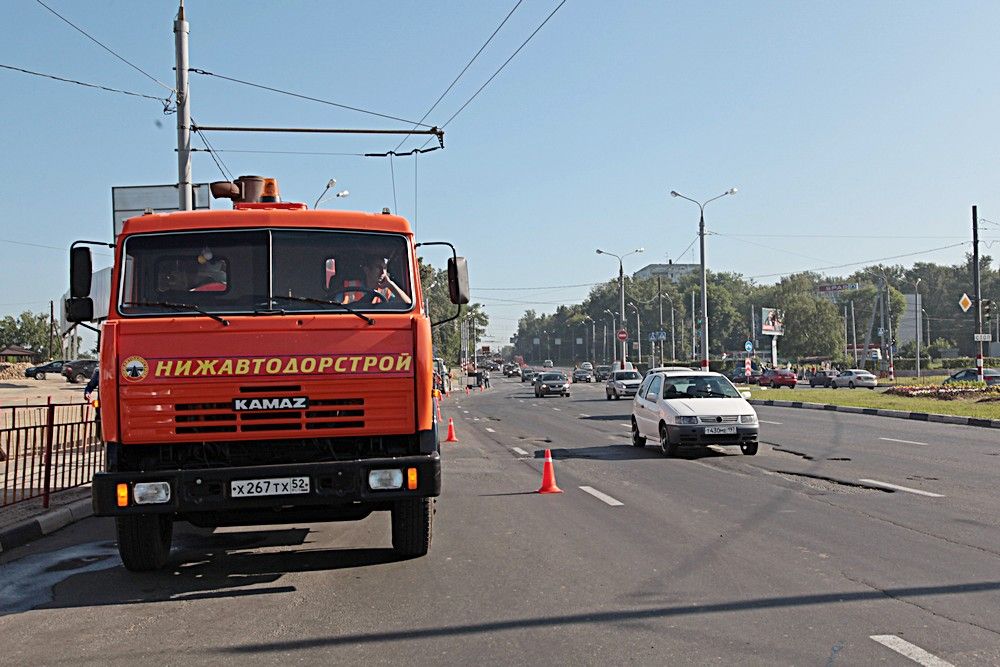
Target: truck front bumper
209 490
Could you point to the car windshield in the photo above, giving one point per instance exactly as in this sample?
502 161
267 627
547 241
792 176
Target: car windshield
552 377
698 386
265 271
627 375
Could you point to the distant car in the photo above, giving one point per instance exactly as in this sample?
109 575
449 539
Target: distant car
587 366
739 374
547 363
38 372
686 407
601 373
854 377
622 383
822 378
551 383
527 374
583 375
778 377
990 375
79 370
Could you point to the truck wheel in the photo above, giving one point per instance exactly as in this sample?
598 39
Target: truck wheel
144 541
412 524
749 448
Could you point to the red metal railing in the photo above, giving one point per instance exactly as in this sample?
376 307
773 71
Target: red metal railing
45 449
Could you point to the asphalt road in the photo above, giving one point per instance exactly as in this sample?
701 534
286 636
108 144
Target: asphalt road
787 557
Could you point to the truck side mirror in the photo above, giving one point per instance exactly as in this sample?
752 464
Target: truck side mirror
458 280
80 272
79 309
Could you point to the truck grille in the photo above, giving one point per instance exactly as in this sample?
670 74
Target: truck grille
330 413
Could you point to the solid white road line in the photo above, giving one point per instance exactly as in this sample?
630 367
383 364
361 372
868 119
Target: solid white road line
911 651
626 425
906 442
584 416
557 409
764 421
490 430
465 411
518 450
603 497
875 482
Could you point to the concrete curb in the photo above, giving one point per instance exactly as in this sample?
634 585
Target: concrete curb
27 531
897 414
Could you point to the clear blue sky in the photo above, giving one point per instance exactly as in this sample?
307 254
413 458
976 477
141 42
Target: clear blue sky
853 119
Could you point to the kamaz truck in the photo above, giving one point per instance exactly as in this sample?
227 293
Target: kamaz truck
263 365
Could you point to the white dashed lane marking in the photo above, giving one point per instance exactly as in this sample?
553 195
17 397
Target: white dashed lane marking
584 416
490 430
603 497
911 651
626 425
518 450
896 487
557 409
764 421
906 442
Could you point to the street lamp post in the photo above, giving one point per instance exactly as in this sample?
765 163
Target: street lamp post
673 352
704 273
638 330
927 318
614 350
593 332
916 321
621 290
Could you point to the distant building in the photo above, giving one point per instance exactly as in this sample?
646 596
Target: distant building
670 271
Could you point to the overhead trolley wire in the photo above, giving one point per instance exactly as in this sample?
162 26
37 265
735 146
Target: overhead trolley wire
866 261
464 69
164 101
108 49
307 97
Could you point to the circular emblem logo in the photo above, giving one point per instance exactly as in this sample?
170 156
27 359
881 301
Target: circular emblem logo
135 369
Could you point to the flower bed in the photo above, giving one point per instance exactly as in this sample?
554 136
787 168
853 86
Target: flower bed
947 392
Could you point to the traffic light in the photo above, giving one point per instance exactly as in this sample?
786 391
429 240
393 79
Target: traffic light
988 306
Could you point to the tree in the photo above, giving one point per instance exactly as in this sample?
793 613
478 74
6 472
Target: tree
30 330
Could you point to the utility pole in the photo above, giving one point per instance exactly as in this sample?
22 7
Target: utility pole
694 353
888 313
52 325
184 193
979 295
854 334
659 303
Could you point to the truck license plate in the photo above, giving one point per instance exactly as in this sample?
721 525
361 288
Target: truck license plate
720 430
282 486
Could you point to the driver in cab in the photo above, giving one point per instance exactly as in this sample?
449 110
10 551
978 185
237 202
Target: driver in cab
375 287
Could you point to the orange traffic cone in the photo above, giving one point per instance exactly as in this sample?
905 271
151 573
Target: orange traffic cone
549 476
451 431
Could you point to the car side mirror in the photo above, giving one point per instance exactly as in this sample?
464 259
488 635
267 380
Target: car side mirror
458 280
81 271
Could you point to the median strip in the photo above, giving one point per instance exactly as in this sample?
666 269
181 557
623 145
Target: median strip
603 497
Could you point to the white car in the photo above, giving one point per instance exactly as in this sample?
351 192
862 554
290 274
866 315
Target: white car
852 378
587 366
622 383
685 407
547 363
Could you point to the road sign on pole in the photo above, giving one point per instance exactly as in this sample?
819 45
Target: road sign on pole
748 346
965 303
982 337
622 335
746 367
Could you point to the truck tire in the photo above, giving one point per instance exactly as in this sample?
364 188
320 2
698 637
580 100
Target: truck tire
412 526
144 541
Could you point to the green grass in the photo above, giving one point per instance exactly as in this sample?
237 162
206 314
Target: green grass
866 398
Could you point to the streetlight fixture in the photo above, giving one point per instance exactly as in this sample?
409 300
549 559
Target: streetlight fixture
614 350
916 320
704 274
621 289
329 184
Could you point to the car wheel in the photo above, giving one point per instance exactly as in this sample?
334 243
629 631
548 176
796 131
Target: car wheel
637 440
851 384
749 448
666 447
791 386
80 377
40 376
607 395
833 385
872 388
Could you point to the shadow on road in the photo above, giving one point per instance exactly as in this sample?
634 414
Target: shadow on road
203 565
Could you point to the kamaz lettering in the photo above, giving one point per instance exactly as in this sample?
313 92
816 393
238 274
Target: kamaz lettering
295 403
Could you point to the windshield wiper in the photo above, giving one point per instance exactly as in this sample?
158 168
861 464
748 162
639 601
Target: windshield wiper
178 306
306 299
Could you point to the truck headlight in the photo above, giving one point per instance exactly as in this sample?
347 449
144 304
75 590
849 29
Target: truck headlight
382 480
151 493
687 420
748 419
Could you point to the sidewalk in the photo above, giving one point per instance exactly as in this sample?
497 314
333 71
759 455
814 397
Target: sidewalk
27 521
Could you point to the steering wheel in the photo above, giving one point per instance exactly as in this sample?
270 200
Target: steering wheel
368 297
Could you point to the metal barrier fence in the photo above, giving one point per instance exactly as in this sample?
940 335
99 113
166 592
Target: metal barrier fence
45 449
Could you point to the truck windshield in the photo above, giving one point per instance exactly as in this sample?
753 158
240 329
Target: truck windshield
265 270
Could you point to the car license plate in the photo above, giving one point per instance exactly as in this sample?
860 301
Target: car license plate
720 430
281 486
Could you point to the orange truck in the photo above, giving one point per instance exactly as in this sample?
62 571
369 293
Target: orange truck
263 365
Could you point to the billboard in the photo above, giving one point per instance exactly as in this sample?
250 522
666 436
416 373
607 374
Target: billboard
772 322
131 200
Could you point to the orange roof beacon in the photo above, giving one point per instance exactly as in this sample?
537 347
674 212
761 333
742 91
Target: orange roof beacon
263 365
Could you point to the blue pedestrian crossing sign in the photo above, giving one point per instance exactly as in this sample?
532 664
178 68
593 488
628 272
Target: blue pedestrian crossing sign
748 346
